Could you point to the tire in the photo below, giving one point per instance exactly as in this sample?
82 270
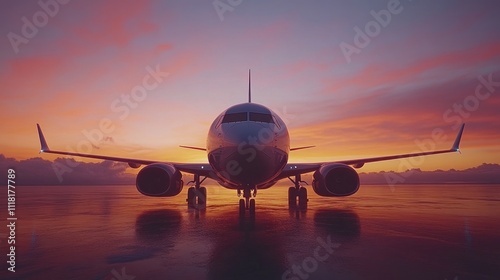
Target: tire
202 196
242 207
292 197
303 198
191 200
252 208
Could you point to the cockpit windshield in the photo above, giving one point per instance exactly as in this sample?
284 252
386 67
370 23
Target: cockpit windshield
261 117
235 117
247 116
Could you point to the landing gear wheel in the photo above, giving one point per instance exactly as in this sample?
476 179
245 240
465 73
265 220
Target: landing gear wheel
191 200
252 208
197 195
292 197
202 196
297 191
303 198
242 208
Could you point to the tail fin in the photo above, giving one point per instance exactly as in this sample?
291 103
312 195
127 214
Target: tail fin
249 87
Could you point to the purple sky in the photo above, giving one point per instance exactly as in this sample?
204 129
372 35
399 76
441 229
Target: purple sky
393 90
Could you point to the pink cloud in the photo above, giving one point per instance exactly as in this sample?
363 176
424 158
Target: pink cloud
376 74
111 23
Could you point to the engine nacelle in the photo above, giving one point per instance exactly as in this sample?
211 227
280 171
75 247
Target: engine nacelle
159 179
335 180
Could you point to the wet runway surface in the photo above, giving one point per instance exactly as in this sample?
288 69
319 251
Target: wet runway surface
113 232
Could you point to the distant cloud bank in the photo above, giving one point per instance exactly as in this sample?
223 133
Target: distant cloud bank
486 173
37 171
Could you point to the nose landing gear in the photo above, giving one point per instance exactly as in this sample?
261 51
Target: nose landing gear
247 202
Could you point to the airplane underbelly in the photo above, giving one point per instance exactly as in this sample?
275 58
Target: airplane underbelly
247 166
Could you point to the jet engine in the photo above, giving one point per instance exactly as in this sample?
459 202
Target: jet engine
159 179
335 179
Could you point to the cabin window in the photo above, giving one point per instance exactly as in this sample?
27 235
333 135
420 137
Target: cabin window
276 122
219 121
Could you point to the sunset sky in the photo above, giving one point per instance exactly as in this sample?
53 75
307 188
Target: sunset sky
431 65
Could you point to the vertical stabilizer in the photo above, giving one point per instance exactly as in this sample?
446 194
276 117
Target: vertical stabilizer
249 87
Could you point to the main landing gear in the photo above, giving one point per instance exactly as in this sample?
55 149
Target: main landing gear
197 195
247 202
297 193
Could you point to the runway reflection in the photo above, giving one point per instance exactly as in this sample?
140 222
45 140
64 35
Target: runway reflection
156 225
342 224
99 232
255 249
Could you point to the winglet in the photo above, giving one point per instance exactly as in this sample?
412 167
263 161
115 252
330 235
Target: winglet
43 144
456 145
249 87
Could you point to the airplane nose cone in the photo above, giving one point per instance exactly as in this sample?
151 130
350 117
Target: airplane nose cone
249 133
248 155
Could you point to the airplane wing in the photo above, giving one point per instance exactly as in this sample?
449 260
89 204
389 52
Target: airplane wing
202 169
292 169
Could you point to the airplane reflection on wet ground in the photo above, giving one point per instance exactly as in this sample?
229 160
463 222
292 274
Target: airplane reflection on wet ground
114 233
247 248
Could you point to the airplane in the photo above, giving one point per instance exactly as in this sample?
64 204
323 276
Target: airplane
247 149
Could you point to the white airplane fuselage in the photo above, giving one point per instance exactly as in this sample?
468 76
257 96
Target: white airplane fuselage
248 146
